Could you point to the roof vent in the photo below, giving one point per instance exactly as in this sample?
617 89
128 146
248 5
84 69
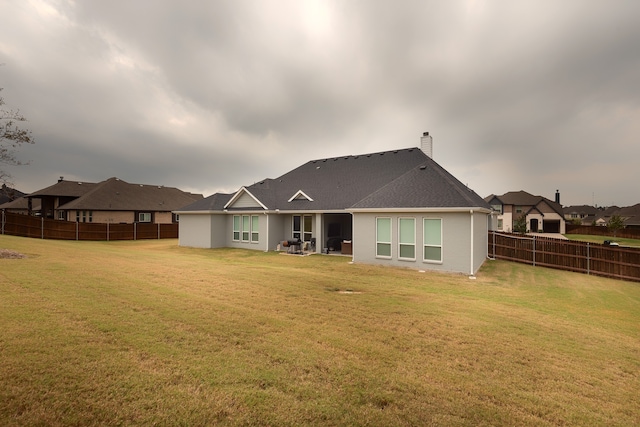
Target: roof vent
423 167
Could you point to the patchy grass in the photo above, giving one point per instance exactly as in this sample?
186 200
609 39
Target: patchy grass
122 333
600 239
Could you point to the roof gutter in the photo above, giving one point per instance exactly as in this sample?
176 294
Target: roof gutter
418 209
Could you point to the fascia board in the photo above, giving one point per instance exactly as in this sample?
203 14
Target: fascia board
207 212
300 193
434 210
239 193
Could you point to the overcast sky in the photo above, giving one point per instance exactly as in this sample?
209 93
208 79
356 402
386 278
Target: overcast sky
209 95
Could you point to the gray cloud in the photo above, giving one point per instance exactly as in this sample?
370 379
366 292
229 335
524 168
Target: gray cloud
209 96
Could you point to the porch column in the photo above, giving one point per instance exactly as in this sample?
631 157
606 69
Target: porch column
318 233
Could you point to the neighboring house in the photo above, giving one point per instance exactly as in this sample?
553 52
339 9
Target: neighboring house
631 216
12 200
110 201
542 214
585 214
21 206
8 194
395 208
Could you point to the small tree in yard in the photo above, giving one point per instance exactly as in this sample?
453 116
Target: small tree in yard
615 223
520 224
12 137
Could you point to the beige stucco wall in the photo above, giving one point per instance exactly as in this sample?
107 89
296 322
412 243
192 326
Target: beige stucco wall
117 217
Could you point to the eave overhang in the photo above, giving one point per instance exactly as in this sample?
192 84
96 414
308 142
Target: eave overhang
239 193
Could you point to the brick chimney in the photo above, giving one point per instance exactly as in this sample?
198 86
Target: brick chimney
426 144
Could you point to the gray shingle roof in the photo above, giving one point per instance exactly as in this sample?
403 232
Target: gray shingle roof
390 179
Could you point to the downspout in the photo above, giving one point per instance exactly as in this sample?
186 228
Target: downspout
471 257
266 246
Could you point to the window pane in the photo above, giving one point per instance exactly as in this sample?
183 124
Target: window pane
432 232
307 224
255 227
407 251
407 230
384 230
296 223
432 253
384 249
236 222
245 227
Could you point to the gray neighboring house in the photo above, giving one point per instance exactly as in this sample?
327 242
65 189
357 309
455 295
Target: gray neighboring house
397 208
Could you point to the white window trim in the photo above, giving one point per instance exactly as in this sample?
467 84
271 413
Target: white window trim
424 245
140 217
407 244
390 242
300 195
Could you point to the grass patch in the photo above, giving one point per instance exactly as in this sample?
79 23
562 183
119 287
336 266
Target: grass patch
600 239
147 332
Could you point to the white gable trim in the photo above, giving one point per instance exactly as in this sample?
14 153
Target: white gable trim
239 194
300 194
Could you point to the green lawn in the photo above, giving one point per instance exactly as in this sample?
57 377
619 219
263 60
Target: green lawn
149 333
600 239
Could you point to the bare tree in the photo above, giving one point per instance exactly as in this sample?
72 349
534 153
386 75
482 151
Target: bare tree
12 136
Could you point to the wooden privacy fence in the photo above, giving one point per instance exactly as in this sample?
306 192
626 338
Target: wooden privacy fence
582 257
42 228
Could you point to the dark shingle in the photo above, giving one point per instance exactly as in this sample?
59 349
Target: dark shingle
385 179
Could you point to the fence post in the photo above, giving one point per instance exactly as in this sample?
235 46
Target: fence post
534 250
158 231
494 244
3 221
107 231
77 231
588 259
135 229
42 227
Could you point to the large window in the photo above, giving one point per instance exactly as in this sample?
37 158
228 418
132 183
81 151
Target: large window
246 228
383 237
255 227
432 229
407 238
236 228
84 216
144 217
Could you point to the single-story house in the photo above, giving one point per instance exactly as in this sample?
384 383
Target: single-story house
397 208
109 201
542 214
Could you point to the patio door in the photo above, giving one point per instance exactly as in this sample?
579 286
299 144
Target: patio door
302 227
307 230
